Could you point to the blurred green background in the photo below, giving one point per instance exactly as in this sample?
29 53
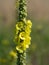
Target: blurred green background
38 12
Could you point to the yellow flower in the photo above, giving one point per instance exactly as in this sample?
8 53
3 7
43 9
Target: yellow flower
22 35
27 46
18 48
19 25
24 46
26 43
29 23
27 40
27 30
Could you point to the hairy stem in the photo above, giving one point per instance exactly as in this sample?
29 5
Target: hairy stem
21 57
22 10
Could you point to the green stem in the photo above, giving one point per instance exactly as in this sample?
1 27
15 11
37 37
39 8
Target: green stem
22 10
21 57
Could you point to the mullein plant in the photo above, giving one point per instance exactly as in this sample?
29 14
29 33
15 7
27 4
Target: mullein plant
22 37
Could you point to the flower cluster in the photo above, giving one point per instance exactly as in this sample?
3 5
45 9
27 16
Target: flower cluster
22 37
